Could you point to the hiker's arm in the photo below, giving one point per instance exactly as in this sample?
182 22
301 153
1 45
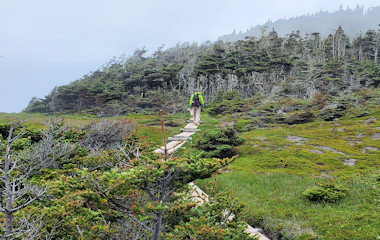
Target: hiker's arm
191 101
201 100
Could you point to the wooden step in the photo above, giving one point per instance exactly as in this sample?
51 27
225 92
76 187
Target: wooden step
189 130
184 134
179 138
171 145
191 125
191 121
171 150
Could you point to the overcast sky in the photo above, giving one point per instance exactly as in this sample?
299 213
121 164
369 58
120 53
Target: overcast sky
47 43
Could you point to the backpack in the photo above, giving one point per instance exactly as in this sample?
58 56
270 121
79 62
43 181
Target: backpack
196 102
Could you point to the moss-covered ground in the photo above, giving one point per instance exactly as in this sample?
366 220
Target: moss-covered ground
276 165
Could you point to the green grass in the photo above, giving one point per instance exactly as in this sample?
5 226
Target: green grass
146 125
274 202
271 174
149 125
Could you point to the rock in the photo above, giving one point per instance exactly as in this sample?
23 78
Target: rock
349 162
375 136
360 135
331 150
296 139
340 129
262 139
370 121
316 151
353 143
336 123
373 149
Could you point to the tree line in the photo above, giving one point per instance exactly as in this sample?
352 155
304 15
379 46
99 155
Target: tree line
292 66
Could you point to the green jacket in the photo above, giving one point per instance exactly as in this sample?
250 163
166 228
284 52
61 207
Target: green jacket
200 99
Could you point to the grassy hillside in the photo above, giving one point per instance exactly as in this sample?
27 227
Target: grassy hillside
146 125
277 165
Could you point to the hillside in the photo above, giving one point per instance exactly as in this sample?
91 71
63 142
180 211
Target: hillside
355 22
270 68
277 165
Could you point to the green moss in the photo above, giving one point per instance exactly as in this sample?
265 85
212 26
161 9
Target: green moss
272 173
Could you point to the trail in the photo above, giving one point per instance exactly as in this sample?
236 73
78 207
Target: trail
198 194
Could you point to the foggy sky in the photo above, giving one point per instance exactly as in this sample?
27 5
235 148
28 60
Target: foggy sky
48 43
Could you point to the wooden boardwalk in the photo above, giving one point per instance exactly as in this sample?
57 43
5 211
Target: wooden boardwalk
177 141
198 194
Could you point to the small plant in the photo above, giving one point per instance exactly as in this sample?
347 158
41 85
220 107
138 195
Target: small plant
328 192
220 143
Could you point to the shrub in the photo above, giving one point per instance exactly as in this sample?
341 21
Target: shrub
227 102
328 192
299 117
219 143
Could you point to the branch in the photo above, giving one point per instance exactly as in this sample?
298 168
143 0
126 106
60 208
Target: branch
130 215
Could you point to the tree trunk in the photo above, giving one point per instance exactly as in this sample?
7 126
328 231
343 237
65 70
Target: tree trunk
157 228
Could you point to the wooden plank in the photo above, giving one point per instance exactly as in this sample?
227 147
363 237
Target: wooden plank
179 138
184 134
190 130
176 147
190 121
169 146
191 125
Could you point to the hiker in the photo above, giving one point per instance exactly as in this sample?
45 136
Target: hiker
195 105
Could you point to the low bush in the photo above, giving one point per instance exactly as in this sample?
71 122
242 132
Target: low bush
327 192
219 143
227 102
300 117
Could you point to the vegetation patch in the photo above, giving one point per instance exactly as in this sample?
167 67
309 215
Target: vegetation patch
219 143
328 192
277 165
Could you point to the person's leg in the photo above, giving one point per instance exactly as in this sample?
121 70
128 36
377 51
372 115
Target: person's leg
197 116
193 113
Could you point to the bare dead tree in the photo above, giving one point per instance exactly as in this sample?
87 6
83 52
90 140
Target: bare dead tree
16 193
106 134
